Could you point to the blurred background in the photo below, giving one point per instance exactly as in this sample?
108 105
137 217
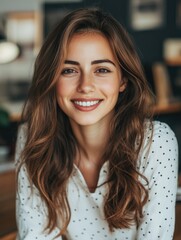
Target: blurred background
155 27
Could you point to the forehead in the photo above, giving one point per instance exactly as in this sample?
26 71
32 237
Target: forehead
89 43
88 38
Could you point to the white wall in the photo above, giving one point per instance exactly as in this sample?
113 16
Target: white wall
19 5
26 5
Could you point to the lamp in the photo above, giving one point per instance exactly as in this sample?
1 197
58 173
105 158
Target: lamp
9 51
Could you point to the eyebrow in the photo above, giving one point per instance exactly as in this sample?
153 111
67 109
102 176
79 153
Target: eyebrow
92 63
71 62
103 61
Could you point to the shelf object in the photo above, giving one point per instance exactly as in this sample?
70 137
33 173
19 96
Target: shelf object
166 102
163 87
29 38
172 51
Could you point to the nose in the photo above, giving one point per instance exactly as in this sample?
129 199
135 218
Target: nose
86 84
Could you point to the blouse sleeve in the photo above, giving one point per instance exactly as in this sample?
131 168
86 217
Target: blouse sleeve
160 168
31 214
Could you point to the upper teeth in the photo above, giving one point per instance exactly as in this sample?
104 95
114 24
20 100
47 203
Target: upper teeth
86 103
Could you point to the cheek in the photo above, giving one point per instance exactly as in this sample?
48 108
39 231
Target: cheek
62 89
63 94
60 96
111 88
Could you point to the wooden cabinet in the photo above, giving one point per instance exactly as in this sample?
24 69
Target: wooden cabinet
177 235
7 202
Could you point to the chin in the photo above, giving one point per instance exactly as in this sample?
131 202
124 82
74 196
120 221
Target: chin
85 122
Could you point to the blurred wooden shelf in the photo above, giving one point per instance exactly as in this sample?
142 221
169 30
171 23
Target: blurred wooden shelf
15 117
167 109
158 109
174 61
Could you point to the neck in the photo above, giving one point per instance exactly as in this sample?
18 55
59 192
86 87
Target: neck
91 143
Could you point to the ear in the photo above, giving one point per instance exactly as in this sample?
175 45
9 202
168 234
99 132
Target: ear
123 84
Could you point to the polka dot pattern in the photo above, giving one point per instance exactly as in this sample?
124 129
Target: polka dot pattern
158 161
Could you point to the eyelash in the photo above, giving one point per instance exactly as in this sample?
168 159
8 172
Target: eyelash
67 71
102 70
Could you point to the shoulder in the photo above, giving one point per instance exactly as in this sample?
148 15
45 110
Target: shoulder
163 142
20 142
159 134
164 138
22 131
162 129
160 148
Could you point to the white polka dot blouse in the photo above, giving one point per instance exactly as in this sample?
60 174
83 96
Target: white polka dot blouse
159 165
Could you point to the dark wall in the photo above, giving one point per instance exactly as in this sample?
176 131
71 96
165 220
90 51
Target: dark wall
148 42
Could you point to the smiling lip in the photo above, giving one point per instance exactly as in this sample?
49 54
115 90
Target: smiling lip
86 105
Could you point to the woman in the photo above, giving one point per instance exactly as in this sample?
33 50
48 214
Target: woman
91 163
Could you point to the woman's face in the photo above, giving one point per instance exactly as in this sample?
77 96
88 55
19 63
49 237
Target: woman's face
90 80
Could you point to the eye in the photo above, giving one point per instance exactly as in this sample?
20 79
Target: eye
103 70
67 71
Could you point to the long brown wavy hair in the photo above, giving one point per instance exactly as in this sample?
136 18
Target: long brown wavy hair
50 147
